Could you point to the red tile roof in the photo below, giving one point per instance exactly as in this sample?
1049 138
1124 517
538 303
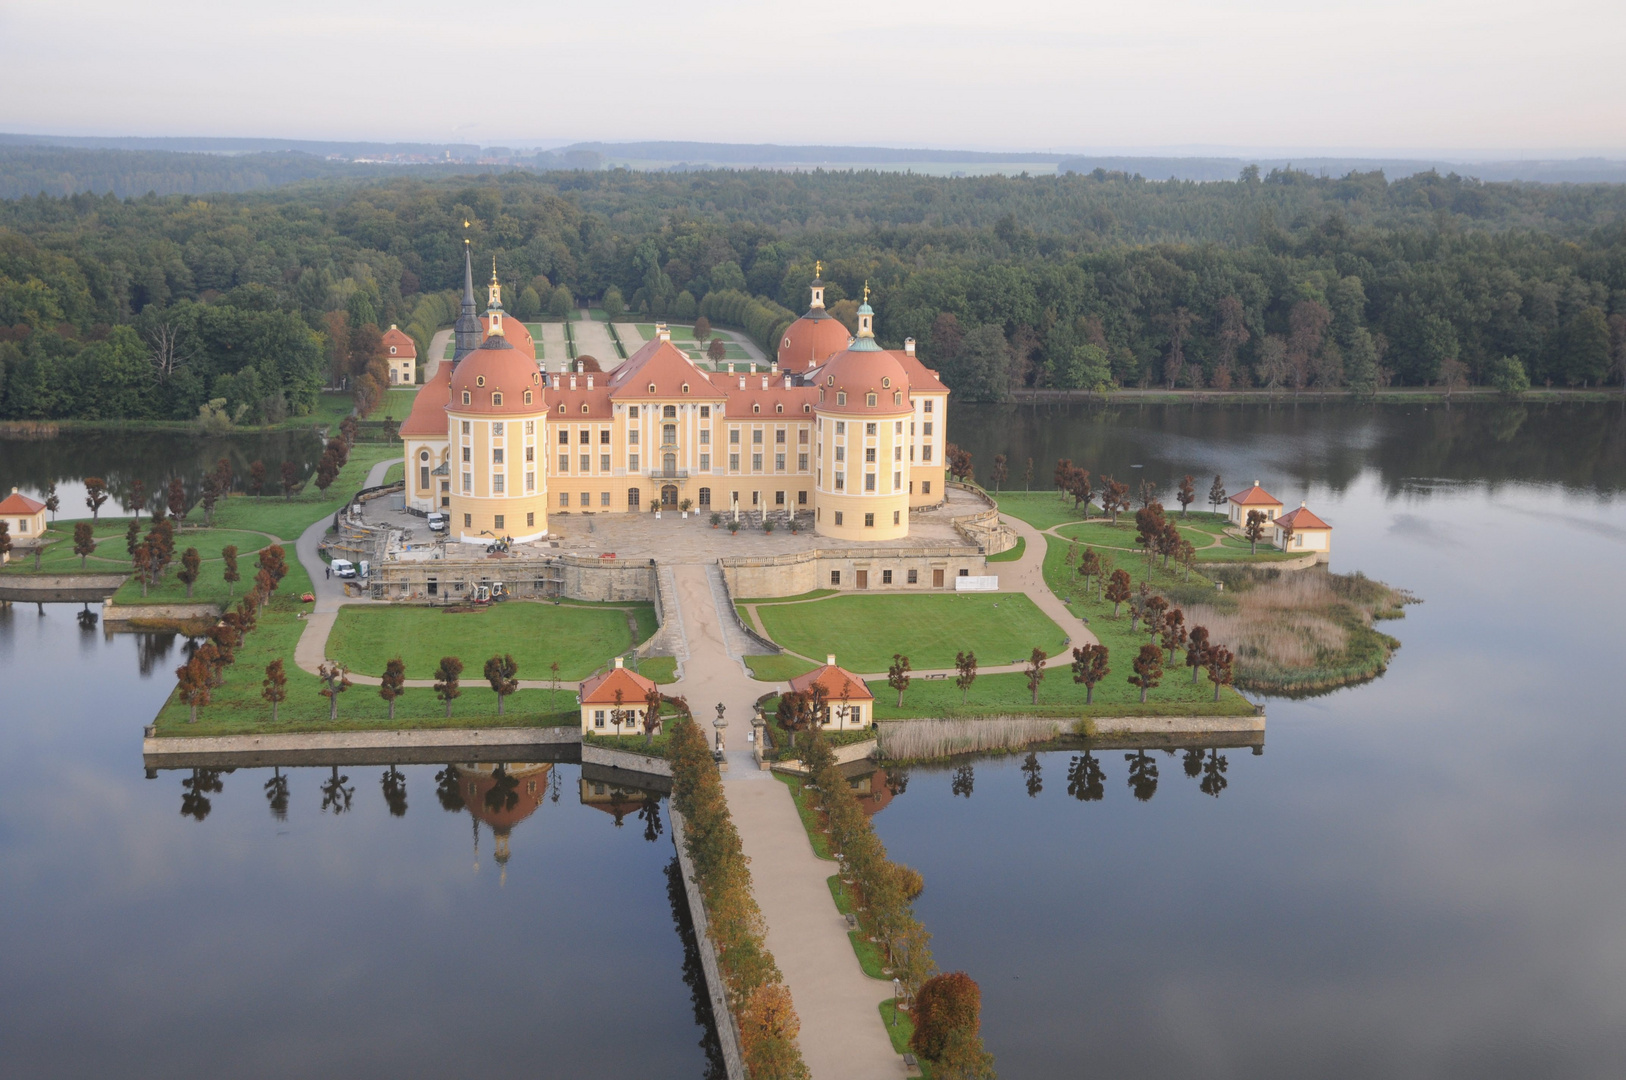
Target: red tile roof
1255 496
428 416
1301 519
662 365
596 399
19 505
490 370
922 379
859 373
600 689
515 331
400 344
839 683
811 340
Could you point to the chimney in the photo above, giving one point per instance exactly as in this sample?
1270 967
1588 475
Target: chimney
765 382
909 345
742 382
618 661
589 380
787 382
573 380
753 367
662 332
830 658
773 367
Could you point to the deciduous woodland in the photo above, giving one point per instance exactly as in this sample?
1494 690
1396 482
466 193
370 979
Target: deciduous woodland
152 307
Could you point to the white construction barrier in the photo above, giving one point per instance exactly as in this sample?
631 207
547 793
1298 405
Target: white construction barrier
988 583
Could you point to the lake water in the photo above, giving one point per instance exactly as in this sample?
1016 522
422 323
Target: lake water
1421 877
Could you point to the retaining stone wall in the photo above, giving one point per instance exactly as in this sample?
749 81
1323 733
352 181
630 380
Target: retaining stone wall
727 1034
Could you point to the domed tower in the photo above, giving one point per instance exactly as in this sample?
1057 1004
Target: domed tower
495 430
815 337
861 483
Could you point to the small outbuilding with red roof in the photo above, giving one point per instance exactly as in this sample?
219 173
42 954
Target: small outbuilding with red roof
850 702
1308 533
608 692
24 518
402 353
1254 498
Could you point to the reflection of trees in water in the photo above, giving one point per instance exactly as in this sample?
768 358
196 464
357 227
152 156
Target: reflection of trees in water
1214 780
897 780
553 781
276 793
1193 763
650 814
395 797
152 651
195 792
87 620
1142 775
694 976
1032 769
447 781
504 792
335 796
1086 781
964 778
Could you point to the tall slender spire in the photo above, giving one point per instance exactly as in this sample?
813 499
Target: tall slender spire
466 332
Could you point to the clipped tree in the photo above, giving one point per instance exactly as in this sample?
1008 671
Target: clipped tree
138 498
1118 590
1114 497
947 1005
393 684
1174 631
1089 668
500 672
897 676
717 351
1148 669
275 686
290 479
652 714
228 556
1254 530
1219 662
188 573
53 502
965 663
1035 672
176 499
193 682
1216 493
446 681
1089 565
1150 526
1286 528
1196 650
1000 472
84 541
1187 494
256 478
795 713
132 536
702 329
95 495
335 680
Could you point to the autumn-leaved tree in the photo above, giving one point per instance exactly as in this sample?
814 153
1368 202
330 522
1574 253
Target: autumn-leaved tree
53 501
1187 494
228 556
1216 494
335 680
290 479
501 672
1089 565
1000 471
1174 631
652 714
194 678
1149 529
446 681
1148 669
948 1006
1035 672
793 714
1118 590
965 664
84 541
275 687
1219 663
1114 497
1254 530
95 495
393 683
1286 528
176 500
897 676
188 573
256 478
1196 650
1089 668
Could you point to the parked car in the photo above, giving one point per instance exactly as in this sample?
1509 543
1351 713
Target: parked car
437 522
344 568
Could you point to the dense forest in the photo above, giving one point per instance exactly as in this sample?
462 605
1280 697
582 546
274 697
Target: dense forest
154 306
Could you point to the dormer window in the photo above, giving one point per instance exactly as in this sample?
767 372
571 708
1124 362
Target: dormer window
897 397
841 397
468 398
584 408
651 388
479 380
756 408
527 397
685 388
869 399
808 408
829 380
561 408
778 408
392 350
886 382
496 399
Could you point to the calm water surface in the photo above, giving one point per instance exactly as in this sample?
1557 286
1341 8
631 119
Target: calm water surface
1422 877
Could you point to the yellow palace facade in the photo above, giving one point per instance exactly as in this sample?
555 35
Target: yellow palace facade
497 443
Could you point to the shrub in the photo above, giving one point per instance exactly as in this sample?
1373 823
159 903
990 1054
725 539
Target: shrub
946 1004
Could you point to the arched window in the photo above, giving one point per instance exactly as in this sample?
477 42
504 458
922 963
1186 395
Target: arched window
468 398
808 408
779 408
897 397
561 408
651 388
756 408
584 408
527 397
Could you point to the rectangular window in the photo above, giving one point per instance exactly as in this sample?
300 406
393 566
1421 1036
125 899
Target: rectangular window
585 437
564 463
530 519
632 436
530 453
869 481
530 427
564 499
423 478
841 453
632 462
733 463
468 521
801 436
897 481
604 463
926 453
465 427
869 453
779 498
705 436
733 436
801 498
926 428
925 487
835 575
705 412
914 577
632 410
801 462
838 517
586 499
779 435
705 463
756 497
496 456
756 462
604 498
869 521
496 522
756 437
496 484
598 717
841 482
841 427
466 454
779 462
896 515
928 404
869 429
496 428
587 463
886 577
604 436
468 483
897 452
564 437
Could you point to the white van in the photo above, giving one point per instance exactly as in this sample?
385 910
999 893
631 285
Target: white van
437 522
344 568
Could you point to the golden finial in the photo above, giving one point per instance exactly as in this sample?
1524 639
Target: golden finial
493 268
818 268
866 292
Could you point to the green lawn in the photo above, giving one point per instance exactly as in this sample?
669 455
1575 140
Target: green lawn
1014 554
810 817
662 669
864 631
1006 693
395 473
396 405
288 518
777 668
58 557
1041 509
210 586
816 594
900 1025
331 407
582 638
869 953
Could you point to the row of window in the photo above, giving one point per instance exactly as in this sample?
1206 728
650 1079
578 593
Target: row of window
869 520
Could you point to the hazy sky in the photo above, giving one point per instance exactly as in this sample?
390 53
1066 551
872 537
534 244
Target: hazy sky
1337 75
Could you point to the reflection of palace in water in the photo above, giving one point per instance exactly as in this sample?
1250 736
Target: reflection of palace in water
501 796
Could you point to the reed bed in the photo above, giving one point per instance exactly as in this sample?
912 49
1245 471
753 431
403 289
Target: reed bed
921 740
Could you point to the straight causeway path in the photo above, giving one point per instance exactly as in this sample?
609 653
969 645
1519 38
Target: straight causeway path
842 1037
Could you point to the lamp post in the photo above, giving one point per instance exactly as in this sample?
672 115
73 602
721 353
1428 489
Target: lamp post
720 724
897 996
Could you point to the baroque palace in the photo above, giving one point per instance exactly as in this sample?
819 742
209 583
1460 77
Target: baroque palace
837 429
